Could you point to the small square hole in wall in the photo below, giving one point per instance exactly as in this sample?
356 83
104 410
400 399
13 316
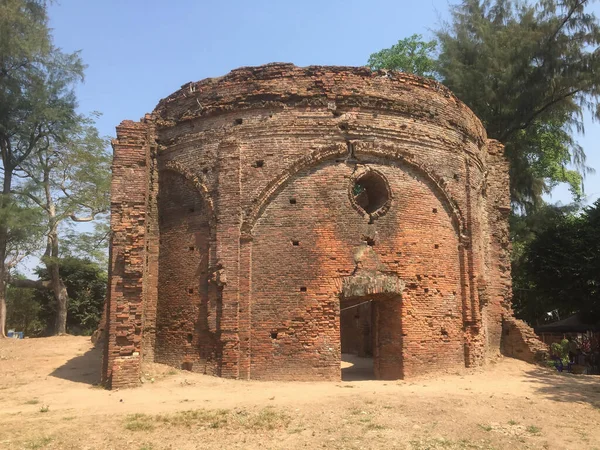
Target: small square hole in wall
295 243
436 246
274 335
426 290
190 337
456 177
238 121
192 210
292 201
302 288
191 290
191 248
260 163
434 210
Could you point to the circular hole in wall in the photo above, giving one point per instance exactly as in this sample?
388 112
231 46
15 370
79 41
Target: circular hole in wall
370 192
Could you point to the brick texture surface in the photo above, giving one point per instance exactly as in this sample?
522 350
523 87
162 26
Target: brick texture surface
249 209
521 342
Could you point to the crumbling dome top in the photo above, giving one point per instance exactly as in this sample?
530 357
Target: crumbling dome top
281 84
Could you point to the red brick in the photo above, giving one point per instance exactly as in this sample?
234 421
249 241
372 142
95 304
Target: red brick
237 237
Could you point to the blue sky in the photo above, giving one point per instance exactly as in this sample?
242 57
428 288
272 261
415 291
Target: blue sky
138 52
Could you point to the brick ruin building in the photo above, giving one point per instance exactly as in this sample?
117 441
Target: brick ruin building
251 212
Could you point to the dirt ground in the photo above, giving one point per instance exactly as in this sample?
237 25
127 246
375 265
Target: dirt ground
50 399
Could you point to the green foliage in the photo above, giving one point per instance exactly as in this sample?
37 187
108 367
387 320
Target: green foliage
411 55
357 189
557 263
25 47
54 165
70 178
86 283
37 118
24 311
23 230
528 71
36 81
92 245
560 350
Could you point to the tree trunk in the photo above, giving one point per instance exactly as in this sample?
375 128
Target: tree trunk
3 313
62 303
56 283
3 244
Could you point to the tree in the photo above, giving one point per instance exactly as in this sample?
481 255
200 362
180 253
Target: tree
411 55
34 311
86 283
528 71
36 103
69 181
560 267
24 311
92 245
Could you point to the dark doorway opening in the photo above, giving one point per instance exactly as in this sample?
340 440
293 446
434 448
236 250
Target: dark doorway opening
371 338
357 339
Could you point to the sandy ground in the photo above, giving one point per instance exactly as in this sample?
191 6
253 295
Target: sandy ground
50 399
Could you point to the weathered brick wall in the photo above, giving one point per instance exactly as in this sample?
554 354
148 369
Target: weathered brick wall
499 282
184 335
256 171
520 341
150 293
129 274
415 240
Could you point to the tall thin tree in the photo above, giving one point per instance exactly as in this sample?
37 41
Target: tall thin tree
36 102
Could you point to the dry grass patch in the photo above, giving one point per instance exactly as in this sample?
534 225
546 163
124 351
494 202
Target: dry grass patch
139 422
265 419
449 444
38 443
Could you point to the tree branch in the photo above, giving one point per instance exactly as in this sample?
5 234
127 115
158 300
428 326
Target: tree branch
35 284
536 113
566 19
32 197
76 218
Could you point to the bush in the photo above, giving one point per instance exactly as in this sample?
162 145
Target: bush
560 351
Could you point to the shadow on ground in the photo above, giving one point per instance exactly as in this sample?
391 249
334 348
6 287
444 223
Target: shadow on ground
565 387
355 368
82 369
